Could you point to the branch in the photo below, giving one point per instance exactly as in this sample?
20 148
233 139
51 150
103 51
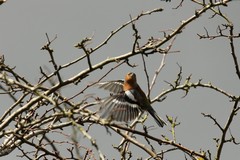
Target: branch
82 45
88 136
126 24
233 51
182 26
160 141
224 131
50 51
188 85
214 120
135 142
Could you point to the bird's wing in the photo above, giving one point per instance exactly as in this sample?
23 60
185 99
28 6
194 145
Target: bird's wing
139 98
112 86
117 108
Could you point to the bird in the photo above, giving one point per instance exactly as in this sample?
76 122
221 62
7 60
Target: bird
127 101
2 1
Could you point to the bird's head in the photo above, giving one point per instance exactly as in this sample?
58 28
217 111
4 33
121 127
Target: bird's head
131 78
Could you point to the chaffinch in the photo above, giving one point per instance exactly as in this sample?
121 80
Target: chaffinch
127 101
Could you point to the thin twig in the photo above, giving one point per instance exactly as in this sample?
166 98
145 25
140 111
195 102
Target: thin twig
233 53
50 51
224 131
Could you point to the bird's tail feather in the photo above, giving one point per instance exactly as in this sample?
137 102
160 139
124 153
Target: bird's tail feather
158 119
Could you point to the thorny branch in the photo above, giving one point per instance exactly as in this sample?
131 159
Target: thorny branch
220 142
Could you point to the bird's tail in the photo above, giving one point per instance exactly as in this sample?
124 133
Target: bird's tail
158 119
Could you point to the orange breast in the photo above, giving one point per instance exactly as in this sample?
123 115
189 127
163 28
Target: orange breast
127 86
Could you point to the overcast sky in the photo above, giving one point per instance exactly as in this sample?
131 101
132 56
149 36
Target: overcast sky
22 34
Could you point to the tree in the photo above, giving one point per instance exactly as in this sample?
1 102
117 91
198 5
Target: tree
38 121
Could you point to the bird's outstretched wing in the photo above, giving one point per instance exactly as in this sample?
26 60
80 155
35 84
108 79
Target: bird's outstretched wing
117 108
135 97
112 86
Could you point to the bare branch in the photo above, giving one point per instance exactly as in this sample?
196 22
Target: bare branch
226 127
